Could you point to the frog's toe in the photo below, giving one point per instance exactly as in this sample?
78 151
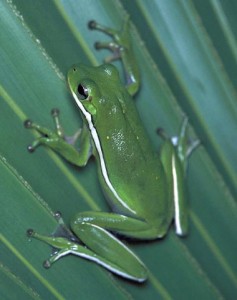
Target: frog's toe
28 123
55 112
192 145
162 133
47 264
30 148
92 24
30 232
97 45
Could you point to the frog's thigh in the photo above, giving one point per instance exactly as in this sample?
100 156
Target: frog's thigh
91 228
121 224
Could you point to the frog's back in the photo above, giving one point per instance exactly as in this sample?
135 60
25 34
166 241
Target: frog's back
133 168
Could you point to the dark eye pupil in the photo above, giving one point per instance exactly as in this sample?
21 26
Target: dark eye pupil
82 92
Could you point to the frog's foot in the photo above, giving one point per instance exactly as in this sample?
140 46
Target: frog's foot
60 246
121 48
63 230
116 50
119 40
53 139
183 143
62 240
63 145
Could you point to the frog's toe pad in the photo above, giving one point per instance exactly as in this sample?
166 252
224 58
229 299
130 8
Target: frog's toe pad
28 123
30 232
30 148
55 112
92 24
46 264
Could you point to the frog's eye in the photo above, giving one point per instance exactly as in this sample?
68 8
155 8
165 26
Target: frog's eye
82 92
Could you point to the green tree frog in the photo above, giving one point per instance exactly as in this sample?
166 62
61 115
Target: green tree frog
144 190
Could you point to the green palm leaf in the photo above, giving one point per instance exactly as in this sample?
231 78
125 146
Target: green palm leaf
187 56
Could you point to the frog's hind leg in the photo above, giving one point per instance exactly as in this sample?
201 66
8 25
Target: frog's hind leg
99 246
175 153
131 267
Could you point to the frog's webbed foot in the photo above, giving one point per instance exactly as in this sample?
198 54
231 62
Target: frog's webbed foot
56 140
116 50
183 143
62 240
121 48
63 230
48 137
63 145
116 46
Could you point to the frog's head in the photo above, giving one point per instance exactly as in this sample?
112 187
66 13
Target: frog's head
89 85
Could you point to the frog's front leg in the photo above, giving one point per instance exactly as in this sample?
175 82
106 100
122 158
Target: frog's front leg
121 48
63 145
100 245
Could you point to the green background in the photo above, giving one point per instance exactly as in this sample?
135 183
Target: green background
187 54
